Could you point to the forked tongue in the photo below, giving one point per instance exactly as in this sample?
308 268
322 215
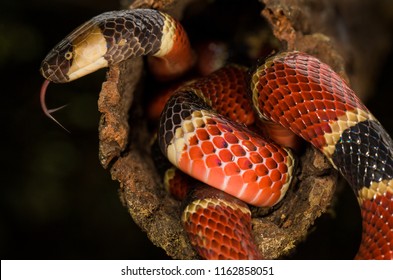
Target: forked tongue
47 111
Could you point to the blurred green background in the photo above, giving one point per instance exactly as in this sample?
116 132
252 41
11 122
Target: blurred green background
57 202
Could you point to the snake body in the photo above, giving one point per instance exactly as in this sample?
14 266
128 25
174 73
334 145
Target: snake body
203 136
309 98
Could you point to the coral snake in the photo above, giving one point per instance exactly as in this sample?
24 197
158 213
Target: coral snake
203 128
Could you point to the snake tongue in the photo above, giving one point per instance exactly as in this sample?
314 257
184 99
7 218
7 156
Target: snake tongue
47 111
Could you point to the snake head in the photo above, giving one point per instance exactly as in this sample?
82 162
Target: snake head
57 63
80 53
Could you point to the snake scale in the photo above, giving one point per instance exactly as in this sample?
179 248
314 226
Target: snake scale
202 130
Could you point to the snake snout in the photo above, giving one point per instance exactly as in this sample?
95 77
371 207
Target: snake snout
56 65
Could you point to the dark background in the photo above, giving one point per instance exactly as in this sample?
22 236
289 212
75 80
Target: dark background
57 202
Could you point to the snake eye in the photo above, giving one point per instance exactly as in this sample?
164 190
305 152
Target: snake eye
68 55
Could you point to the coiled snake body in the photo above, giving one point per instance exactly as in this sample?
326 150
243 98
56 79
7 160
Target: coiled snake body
201 136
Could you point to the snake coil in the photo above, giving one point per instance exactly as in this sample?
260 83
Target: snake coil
203 136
